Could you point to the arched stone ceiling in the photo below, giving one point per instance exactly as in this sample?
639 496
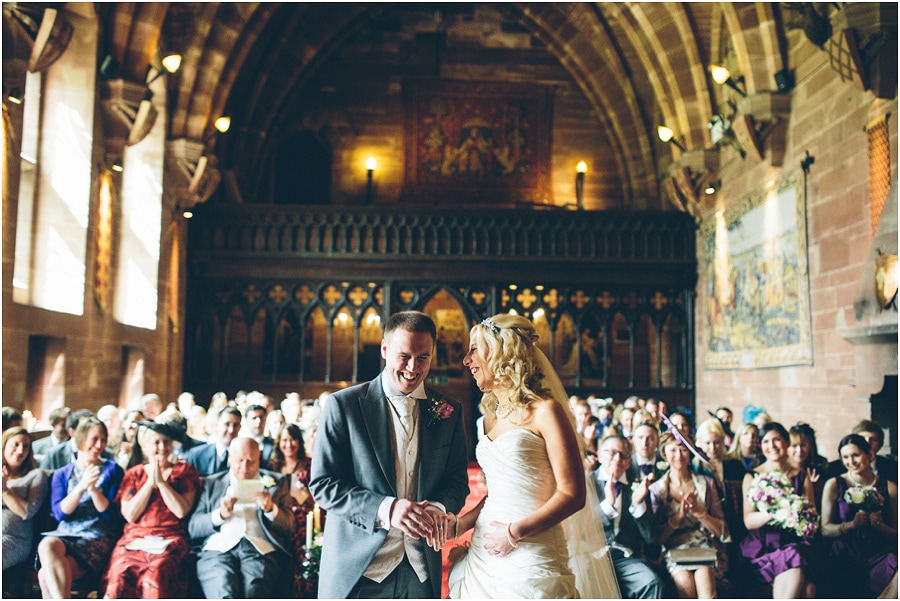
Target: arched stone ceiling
639 64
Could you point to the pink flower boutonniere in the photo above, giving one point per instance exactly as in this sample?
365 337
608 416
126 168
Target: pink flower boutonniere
438 410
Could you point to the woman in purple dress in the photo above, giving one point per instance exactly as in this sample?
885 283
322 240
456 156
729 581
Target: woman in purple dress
778 556
859 514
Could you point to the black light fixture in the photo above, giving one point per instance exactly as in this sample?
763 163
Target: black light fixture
667 135
580 170
371 164
170 64
721 75
783 80
16 96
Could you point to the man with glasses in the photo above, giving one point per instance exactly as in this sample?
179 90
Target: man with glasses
627 520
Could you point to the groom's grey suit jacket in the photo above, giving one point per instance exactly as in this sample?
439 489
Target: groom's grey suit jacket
353 471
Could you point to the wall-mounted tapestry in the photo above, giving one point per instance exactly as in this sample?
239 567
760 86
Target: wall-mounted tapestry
477 141
757 281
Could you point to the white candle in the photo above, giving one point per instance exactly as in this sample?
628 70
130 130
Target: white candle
317 511
309 530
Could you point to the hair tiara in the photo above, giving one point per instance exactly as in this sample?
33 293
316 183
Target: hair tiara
489 322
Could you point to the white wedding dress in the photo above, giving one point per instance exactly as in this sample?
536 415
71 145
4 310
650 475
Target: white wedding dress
519 481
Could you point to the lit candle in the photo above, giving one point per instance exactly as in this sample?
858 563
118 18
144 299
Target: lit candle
309 530
317 511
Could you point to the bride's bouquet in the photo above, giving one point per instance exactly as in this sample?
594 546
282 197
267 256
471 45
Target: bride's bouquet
864 498
773 493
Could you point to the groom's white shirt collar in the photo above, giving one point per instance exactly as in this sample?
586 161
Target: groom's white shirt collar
390 391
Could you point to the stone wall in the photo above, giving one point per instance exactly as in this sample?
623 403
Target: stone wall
827 120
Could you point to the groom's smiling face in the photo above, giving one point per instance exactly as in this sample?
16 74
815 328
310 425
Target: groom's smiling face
407 357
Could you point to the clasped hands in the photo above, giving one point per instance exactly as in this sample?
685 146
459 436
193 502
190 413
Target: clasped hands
419 519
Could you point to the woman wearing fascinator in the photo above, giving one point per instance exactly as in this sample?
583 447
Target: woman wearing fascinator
533 534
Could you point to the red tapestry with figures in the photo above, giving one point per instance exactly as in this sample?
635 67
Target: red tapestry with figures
478 142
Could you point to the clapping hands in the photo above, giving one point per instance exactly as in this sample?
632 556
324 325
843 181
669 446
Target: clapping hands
89 478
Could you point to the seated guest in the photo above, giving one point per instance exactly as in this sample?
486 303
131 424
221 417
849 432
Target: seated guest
81 499
726 417
290 460
243 528
885 467
711 440
11 418
58 433
127 453
804 454
254 426
778 555
645 461
625 420
156 499
64 454
627 521
591 435
24 490
275 422
863 529
151 405
182 443
682 420
212 457
689 515
746 446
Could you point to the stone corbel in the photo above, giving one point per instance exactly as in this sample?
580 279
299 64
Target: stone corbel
761 125
863 46
128 115
192 176
689 177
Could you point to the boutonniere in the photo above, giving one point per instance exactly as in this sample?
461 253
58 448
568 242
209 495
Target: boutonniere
438 410
267 481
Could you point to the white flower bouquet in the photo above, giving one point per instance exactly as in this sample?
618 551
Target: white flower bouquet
773 493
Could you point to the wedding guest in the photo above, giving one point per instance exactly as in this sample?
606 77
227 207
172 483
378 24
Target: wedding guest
859 512
109 415
778 556
196 423
683 422
642 416
275 422
885 467
628 523
244 540
253 426
81 499
64 454
155 500
289 459
212 457
185 403
689 515
710 439
126 452
746 446
645 461
291 407
24 490
590 436
151 405
726 417
625 419
59 433
11 418
652 407
581 409
804 454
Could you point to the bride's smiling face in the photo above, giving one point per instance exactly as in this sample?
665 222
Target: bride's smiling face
476 361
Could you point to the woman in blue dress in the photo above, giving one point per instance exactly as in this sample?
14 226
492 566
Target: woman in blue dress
859 517
81 495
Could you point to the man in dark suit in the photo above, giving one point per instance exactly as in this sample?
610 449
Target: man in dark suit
389 459
64 454
627 519
645 461
212 457
243 526
59 433
254 427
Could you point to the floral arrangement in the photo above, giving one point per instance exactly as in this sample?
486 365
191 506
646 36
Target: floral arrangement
438 410
772 493
268 481
864 498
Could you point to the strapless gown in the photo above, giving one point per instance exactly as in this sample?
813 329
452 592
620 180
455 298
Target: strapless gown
519 480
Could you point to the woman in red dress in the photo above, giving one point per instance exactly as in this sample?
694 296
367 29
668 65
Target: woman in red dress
156 499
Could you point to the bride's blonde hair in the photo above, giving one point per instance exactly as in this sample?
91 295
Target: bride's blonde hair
511 340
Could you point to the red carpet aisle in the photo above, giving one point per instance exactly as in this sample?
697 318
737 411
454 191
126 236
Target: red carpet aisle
477 490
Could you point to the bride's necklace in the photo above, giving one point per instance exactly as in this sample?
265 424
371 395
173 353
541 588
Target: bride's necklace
858 483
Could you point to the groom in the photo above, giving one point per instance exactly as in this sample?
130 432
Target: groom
389 460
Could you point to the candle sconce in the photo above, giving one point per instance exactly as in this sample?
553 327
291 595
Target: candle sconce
580 170
370 171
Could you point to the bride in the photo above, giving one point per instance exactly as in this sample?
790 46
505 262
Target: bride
534 535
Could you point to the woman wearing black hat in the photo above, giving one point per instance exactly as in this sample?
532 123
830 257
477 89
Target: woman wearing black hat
156 498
